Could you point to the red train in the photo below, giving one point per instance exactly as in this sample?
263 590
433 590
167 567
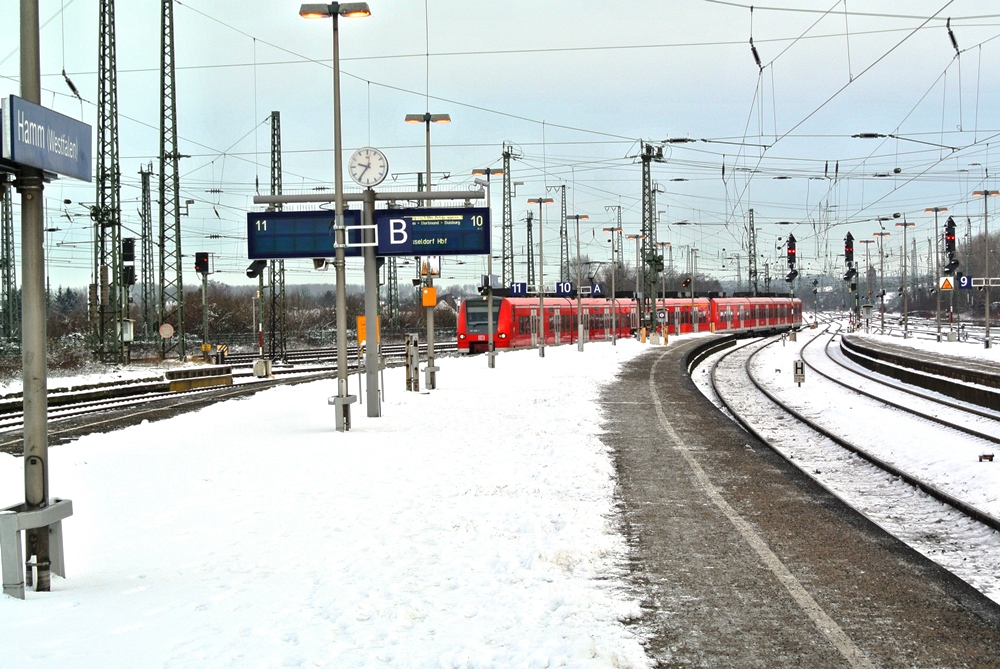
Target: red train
516 322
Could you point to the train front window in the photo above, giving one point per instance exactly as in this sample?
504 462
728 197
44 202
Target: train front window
477 315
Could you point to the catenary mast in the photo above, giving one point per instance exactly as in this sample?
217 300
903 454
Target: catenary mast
171 311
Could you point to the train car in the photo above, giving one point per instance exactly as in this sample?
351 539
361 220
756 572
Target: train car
517 324
755 314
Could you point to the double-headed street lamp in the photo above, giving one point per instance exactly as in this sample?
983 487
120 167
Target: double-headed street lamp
937 264
490 352
335 10
906 309
541 273
579 280
428 118
614 272
986 194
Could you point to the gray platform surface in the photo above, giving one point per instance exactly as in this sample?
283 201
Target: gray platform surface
742 561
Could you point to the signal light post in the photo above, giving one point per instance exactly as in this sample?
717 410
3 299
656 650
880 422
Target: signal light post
201 267
937 265
881 279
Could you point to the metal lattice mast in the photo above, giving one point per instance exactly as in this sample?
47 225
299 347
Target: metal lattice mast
276 268
752 252
106 213
147 276
8 276
648 155
392 284
531 254
563 241
508 220
171 309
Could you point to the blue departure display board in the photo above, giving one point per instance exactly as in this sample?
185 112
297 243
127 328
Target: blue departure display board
400 232
297 234
437 231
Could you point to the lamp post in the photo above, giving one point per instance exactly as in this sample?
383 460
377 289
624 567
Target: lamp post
579 281
333 11
906 309
937 264
614 272
428 118
881 278
868 287
490 352
986 194
540 201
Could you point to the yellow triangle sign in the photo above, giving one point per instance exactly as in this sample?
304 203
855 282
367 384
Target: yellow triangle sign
946 284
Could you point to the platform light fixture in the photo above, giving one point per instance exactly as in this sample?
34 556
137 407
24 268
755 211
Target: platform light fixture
334 10
986 195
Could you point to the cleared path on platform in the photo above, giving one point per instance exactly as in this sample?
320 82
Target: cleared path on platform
743 561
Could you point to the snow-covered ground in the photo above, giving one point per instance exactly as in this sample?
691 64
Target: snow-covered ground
469 527
472 526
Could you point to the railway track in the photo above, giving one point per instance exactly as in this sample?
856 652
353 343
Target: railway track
85 405
884 468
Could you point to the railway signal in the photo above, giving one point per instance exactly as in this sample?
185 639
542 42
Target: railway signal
791 254
686 283
949 246
201 262
849 249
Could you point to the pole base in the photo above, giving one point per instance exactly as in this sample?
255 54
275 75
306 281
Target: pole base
342 413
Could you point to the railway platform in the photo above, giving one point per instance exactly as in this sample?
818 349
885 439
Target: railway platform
965 379
741 560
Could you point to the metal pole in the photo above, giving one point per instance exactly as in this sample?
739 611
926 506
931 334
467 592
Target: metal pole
614 307
986 233
431 373
342 403
204 315
937 272
372 345
579 285
33 327
541 281
490 349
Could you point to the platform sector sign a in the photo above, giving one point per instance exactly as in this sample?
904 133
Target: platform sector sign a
38 137
399 232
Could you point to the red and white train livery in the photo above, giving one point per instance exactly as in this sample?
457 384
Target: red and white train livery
517 323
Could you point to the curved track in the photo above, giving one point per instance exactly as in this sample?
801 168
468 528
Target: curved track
940 511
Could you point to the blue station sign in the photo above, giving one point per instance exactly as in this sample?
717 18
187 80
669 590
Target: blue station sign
38 137
399 232
297 234
433 231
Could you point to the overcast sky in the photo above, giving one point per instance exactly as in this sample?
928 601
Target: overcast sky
574 86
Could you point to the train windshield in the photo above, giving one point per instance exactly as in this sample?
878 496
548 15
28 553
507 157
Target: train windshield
476 314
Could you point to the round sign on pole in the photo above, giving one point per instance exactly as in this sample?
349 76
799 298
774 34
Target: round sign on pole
166 330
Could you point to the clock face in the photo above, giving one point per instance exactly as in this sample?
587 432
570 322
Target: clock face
368 167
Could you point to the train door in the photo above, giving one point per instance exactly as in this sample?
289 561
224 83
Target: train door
557 326
534 326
